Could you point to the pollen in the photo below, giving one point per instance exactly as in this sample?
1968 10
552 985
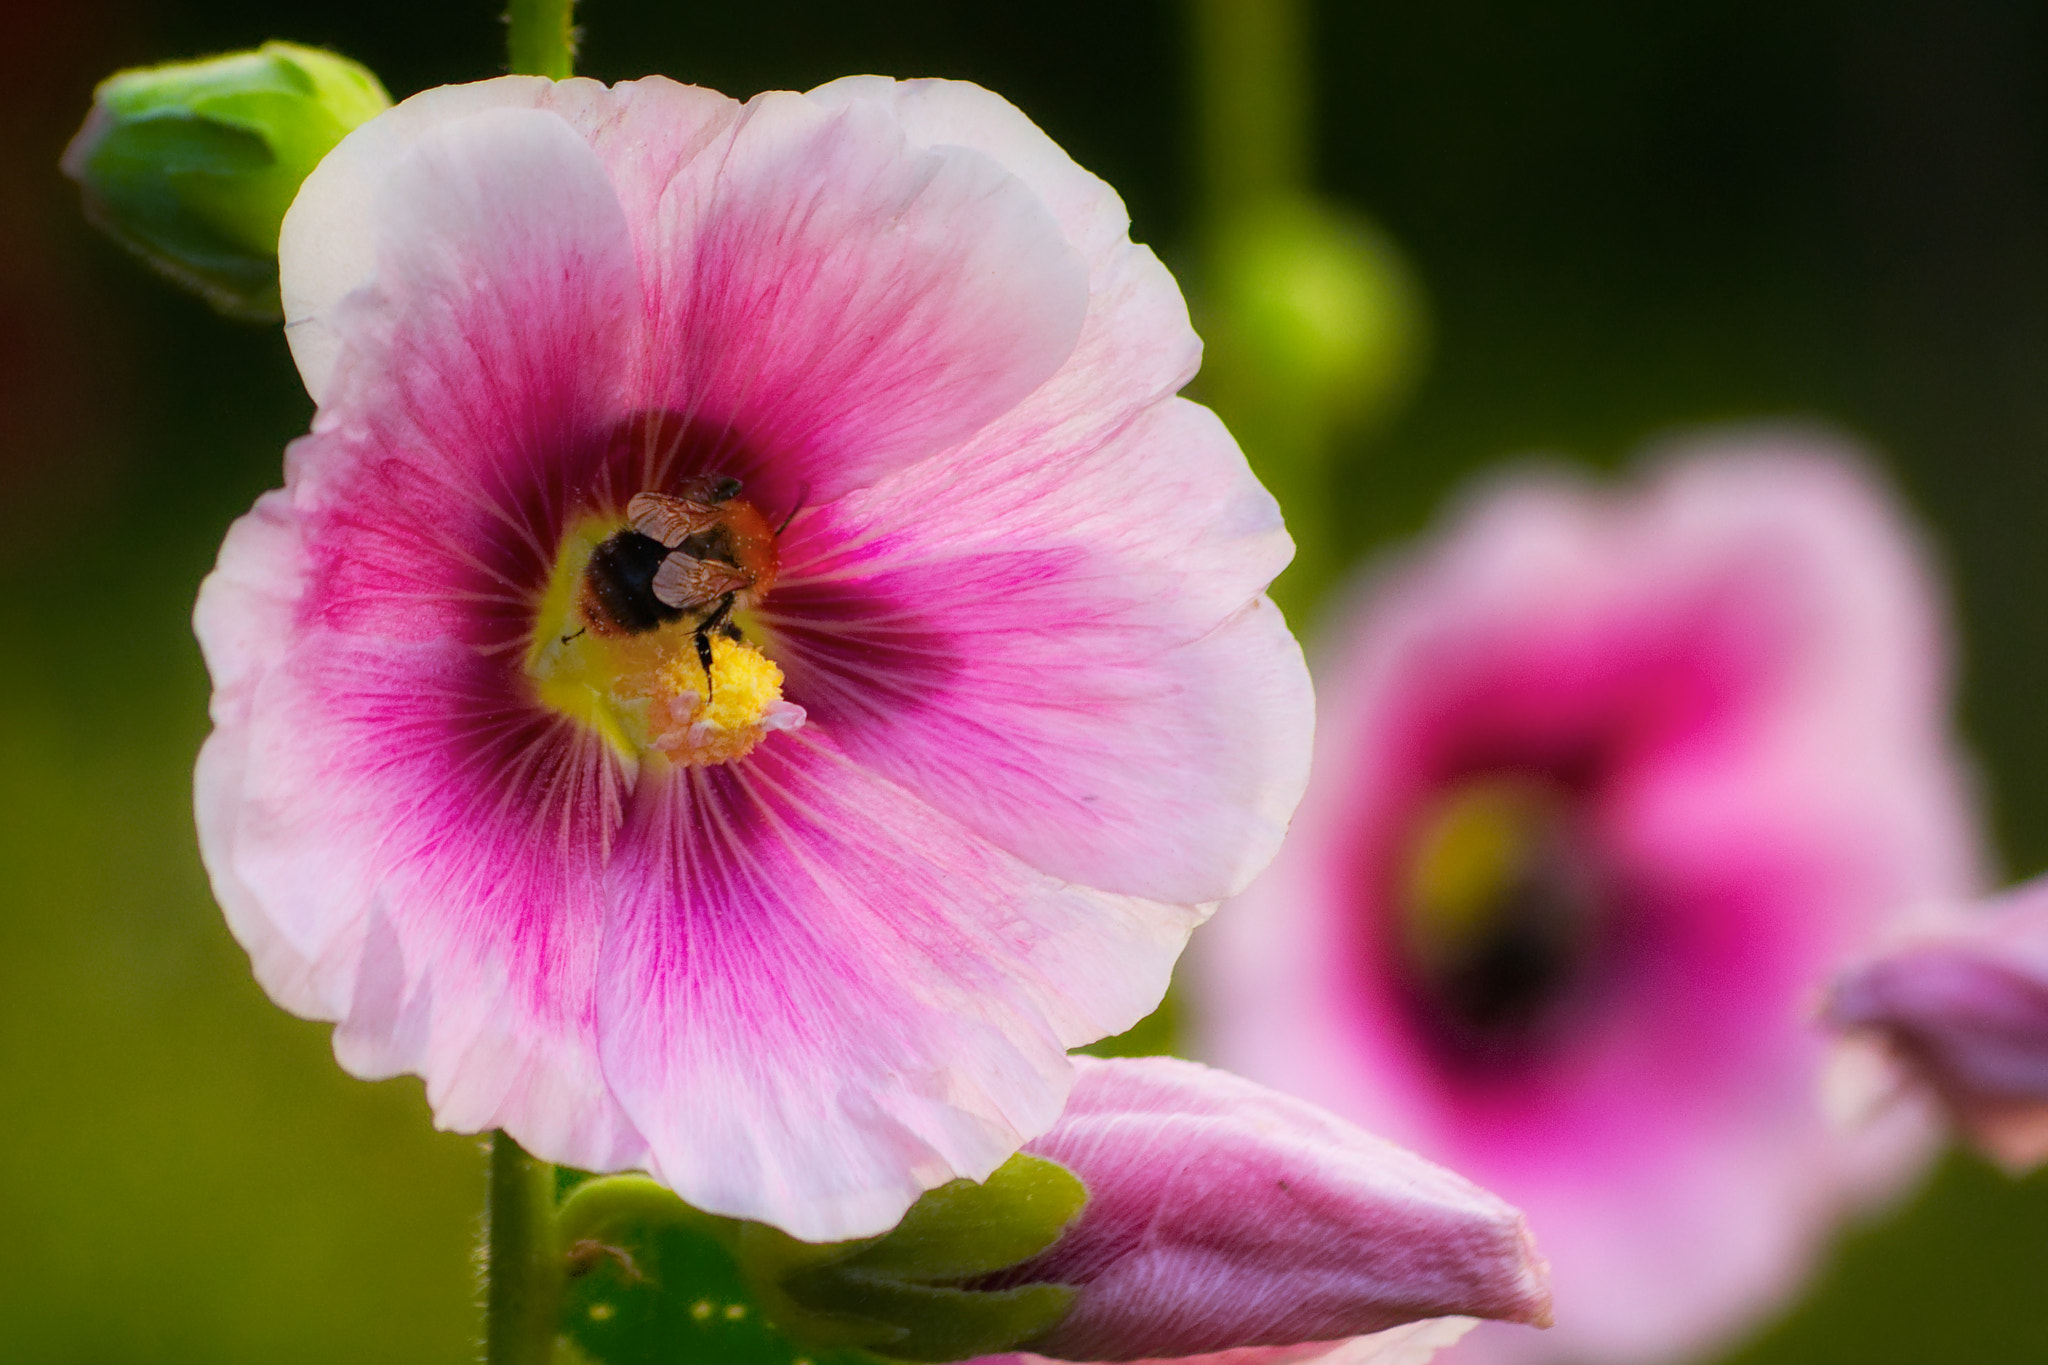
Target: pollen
647 693
699 718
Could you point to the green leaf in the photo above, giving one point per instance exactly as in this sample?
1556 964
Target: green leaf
653 1280
961 1230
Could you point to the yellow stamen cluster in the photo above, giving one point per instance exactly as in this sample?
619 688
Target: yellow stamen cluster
1471 852
700 724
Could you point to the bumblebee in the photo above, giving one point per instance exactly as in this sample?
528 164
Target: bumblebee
702 550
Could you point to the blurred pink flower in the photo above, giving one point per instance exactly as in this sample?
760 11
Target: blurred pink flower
1605 783
1961 1004
1228 1222
470 792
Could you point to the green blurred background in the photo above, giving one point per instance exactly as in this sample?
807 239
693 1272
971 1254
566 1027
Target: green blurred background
1628 219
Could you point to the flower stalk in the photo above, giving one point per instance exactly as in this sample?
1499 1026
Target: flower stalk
1253 95
541 38
523 1270
1314 321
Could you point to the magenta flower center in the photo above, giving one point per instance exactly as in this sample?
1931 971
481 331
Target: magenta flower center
1499 913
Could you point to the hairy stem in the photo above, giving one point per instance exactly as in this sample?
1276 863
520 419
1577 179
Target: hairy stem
540 37
524 1293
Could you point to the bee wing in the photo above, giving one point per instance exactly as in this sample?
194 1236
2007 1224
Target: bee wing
683 582
669 519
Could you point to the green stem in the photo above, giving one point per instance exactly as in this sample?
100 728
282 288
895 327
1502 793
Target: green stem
1252 99
541 38
524 1294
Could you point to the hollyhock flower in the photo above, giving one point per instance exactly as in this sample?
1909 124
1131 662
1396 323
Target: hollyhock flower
1960 1002
753 661
1225 1220
1605 783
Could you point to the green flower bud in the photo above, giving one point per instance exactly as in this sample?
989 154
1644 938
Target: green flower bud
1315 303
192 165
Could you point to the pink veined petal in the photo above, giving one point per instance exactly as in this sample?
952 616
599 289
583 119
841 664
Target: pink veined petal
1136 347
642 131
843 303
438 860
471 409
1076 663
424 839
938 113
794 907
1221 1214
244 623
1411 1343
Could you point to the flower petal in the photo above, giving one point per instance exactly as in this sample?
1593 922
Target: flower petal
938 113
244 623
845 303
1065 648
1963 1005
642 131
390 803
487 359
1221 1214
1136 348
1411 1343
916 1033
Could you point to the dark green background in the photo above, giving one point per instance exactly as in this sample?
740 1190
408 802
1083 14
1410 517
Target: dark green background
1631 219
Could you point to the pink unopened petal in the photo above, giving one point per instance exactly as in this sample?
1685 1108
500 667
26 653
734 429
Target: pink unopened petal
1964 1007
794 907
1221 1215
1411 1343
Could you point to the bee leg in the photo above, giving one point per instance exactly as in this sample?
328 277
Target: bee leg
720 620
702 639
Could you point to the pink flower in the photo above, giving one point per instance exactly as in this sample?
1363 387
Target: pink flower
1605 783
904 391
1961 1003
1223 1216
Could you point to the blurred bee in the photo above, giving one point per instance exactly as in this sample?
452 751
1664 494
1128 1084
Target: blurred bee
698 550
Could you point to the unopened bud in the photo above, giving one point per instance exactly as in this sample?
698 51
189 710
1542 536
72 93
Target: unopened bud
1317 304
192 165
1962 1004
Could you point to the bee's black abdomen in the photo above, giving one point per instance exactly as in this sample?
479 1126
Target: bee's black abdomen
621 582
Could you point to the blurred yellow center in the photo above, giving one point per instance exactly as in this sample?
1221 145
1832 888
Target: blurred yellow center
647 693
1471 855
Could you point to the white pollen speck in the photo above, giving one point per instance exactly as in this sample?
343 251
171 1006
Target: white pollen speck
701 1309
